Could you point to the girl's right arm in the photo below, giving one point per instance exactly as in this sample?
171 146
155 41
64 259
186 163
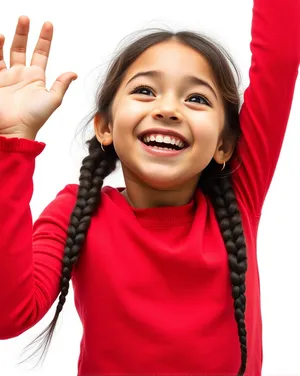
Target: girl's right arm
30 256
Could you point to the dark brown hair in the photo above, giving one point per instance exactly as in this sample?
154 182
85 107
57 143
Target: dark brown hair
215 184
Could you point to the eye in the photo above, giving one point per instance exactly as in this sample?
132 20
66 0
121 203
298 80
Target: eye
143 89
198 98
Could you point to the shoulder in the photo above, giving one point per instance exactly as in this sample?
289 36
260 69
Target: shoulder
67 197
70 192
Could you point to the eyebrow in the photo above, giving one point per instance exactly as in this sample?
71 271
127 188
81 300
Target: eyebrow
190 79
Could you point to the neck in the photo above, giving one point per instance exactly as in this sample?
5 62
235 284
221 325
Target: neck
141 196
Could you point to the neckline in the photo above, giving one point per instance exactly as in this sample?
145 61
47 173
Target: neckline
167 215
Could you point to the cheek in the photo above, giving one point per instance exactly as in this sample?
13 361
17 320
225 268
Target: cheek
206 132
128 115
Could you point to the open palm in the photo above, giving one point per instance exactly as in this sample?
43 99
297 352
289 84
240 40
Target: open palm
25 102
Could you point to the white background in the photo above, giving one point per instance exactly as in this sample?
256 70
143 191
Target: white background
86 35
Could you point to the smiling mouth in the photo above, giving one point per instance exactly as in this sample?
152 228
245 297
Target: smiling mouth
163 142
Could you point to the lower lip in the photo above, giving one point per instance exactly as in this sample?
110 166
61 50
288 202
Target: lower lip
160 152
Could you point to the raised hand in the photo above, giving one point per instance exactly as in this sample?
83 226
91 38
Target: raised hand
25 102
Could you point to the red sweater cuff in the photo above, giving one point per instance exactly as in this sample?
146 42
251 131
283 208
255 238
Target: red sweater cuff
21 145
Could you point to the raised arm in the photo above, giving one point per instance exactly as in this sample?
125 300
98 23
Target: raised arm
264 115
30 255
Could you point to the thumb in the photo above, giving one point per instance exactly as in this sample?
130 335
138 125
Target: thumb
62 84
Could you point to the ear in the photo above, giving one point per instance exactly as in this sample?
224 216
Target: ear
223 152
103 130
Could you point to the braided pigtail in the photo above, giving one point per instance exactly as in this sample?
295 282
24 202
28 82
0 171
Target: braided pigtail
95 168
229 218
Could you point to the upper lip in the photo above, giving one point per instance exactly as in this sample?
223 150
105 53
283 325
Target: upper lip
169 132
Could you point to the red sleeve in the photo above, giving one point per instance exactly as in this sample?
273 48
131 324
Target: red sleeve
30 255
264 115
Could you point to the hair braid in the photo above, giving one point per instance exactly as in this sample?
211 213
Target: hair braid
230 223
95 168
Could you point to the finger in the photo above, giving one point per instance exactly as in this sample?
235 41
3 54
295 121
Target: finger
62 84
2 62
19 44
42 49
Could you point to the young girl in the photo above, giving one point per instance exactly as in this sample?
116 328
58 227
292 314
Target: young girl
164 270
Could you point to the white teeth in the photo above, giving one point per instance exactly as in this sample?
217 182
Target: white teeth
167 140
160 148
163 139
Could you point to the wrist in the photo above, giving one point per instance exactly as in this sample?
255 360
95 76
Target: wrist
27 136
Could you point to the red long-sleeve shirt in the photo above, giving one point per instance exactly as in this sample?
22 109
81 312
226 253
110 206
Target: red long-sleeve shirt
152 287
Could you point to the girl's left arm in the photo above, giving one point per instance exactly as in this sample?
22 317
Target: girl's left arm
275 48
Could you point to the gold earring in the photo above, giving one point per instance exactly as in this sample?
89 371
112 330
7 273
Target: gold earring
224 164
102 146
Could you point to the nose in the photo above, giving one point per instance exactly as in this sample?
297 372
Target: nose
167 113
163 115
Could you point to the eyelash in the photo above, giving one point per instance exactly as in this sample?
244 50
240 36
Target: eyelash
139 87
134 91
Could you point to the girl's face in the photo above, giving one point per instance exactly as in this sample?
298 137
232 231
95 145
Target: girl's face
168 95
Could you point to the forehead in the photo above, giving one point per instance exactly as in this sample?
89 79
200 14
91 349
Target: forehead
174 59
